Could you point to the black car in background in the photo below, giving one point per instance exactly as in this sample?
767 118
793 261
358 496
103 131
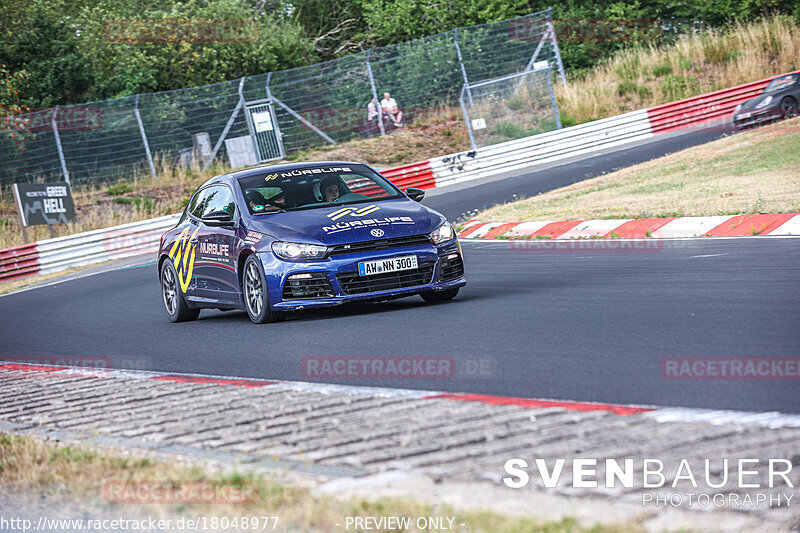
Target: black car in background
779 100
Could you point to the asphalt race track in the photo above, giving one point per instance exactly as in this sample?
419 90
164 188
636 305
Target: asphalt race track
573 325
591 326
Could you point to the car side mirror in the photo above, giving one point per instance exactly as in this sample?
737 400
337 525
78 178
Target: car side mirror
218 218
415 194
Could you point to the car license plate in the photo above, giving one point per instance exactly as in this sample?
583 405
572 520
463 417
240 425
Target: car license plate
382 266
744 115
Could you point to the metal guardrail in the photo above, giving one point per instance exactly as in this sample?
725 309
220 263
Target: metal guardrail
81 249
543 148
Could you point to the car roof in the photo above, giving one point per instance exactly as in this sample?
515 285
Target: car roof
260 169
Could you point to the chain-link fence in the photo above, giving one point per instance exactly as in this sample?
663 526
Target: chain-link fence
510 107
306 106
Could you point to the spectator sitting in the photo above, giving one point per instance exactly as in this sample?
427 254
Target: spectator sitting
389 107
372 111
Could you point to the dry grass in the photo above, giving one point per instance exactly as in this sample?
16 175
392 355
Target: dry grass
753 172
441 131
36 473
695 64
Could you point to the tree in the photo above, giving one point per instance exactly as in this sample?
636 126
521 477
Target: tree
58 71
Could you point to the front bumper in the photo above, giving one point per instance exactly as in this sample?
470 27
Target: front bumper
335 280
750 119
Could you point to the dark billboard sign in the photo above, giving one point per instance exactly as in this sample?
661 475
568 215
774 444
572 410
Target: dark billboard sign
44 203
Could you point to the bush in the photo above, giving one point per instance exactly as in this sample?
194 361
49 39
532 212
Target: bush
119 188
678 87
630 87
662 70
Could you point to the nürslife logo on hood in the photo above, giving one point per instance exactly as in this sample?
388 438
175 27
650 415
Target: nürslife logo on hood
367 223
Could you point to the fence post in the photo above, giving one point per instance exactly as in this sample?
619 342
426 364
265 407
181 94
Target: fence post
555 48
54 125
144 139
466 119
227 128
461 64
553 98
375 95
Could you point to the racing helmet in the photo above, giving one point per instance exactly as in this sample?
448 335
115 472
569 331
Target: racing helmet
320 186
255 197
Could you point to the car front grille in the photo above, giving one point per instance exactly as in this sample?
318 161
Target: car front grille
352 283
382 244
317 286
451 268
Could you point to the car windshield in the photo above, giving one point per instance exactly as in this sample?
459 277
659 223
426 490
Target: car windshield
307 188
780 83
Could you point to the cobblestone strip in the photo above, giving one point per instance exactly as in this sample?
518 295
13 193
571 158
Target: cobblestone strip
350 432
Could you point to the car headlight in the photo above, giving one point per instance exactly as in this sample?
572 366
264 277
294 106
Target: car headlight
442 234
295 251
764 102
738 108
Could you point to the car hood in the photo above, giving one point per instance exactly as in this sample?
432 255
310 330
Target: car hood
753 102
349 223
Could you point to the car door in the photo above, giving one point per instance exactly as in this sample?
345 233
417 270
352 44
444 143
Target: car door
215 264
182 250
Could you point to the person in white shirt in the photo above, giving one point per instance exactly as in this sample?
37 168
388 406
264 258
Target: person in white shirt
372 111
390 108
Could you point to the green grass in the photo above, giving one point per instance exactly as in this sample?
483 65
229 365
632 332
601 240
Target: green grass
119 189
757 171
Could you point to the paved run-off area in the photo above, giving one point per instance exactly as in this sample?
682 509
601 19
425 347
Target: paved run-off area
378 442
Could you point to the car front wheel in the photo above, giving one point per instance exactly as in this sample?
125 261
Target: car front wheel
788 107
174 302
254 286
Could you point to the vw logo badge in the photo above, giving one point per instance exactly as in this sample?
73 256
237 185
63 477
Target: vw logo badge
377 233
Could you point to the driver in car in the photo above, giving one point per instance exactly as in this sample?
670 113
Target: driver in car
330 188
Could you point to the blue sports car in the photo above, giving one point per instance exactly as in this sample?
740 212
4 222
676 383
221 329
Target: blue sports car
275 239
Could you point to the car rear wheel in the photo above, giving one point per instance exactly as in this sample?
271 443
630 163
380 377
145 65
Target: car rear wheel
254 285
439 296
174 302
788 107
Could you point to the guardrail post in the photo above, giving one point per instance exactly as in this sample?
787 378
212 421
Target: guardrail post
54 125
375 94
144 139
461 64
